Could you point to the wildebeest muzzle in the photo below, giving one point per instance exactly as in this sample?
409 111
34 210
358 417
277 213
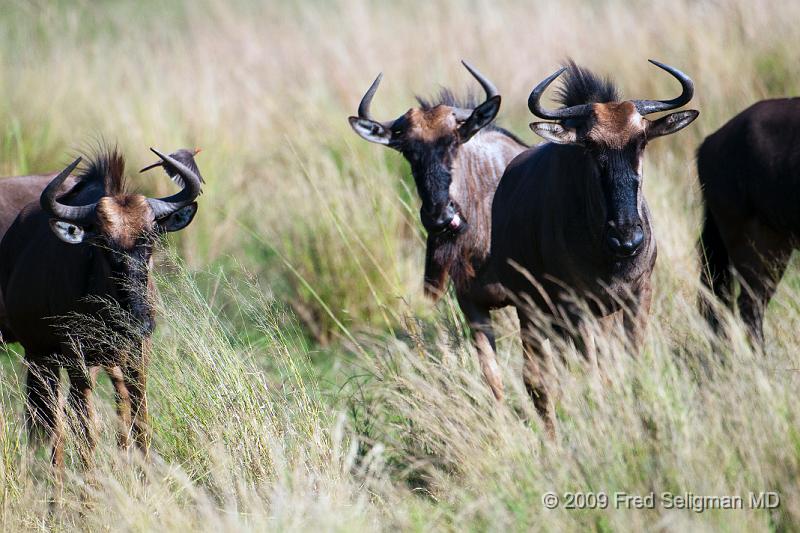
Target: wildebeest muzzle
447 219
624 239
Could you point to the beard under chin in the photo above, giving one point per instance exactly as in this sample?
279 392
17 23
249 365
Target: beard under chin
443 257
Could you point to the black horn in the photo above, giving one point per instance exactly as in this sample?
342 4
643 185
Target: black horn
71 213
366 101
191 188
487 85
645 107
534 103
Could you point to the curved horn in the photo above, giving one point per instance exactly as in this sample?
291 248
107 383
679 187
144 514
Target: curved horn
192 188
487 85
71 213
645 107
366 100
568 112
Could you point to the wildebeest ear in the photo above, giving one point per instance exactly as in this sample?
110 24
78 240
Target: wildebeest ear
179 219
671 123
370 130
67 231
481 116
555 132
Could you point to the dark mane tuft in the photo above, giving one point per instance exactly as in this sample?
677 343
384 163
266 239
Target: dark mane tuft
107 167
448 98
582 86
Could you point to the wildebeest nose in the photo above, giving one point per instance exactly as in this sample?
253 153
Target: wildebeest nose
624 242
446 218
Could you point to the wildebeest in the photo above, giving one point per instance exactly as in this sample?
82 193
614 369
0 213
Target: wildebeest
457 156
15 193
76 254
18 191
569 217
749 171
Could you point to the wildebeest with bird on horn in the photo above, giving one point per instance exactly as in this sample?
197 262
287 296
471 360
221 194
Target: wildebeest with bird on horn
457 155
18 191
569 218
88 253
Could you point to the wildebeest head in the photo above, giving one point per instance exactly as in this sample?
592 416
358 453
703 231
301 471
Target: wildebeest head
429 137
124 226
614 134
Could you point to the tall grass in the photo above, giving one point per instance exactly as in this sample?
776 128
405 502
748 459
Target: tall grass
299 380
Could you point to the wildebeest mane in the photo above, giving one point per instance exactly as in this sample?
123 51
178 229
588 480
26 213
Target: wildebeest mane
102 175
582 86
449 98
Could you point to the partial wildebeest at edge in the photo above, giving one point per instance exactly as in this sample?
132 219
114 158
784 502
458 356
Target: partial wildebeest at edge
749 171
72 255
569 218
15 193
457 156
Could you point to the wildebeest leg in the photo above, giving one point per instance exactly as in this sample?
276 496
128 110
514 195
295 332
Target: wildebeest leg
536 374
760 282
480 323
80 400
123 402
760 258
609 326
583 336
42 412
135 373
636 315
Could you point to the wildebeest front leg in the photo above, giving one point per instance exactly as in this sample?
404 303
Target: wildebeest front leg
480 323
42 412
135 373
123 402
537 374
80 400
636 315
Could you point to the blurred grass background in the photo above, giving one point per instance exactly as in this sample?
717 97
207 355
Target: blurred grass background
300 380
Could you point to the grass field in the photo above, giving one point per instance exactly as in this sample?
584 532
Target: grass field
299 379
